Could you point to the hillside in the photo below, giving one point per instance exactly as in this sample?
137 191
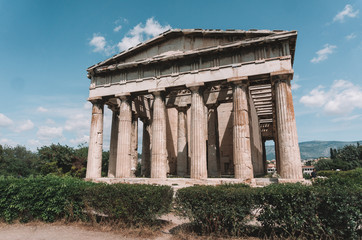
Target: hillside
312 149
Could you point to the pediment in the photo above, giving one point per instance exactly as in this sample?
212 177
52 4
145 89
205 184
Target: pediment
177 42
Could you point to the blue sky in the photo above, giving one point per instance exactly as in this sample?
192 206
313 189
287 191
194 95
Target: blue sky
46 46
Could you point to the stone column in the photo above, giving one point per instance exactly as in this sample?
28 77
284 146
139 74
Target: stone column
146 147
289 154
159 151
265 163
181 142
123 166
213 167
94 162
198 139
134 144
113 143
241 133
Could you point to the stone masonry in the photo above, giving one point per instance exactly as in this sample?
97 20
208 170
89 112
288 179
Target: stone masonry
208 101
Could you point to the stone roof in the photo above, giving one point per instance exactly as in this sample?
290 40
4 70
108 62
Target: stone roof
250 37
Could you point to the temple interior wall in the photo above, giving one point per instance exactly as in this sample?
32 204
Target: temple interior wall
255 140
171 138
225 121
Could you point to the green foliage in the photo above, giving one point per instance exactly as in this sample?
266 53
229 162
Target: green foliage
52 198
329 209
221 209
340 178
289 208
41 198
130 203
17 161
347 158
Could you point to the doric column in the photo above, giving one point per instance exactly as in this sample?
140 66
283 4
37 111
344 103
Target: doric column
243 166
123 166
181 142
198 168
265 163
213 166
113 143
94 162
146 147
159 151
134 144
289 154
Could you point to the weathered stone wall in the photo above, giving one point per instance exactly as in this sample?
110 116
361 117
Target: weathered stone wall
255 140
225 121
171 137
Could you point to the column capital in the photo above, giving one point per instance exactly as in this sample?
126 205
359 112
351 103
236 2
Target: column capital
194 86
282 75
244 80
123 96
156 91
95 100
113 107
182 108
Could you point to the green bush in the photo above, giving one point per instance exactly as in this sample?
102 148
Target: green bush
131 203
337 178
222 209
289 209
53 198
47 198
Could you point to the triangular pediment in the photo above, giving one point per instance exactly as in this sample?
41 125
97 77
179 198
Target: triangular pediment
176 42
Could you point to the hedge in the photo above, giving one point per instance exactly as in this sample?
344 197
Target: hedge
223 209
52 198
284 210
129 203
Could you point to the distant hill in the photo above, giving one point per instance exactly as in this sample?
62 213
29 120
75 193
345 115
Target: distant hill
312 149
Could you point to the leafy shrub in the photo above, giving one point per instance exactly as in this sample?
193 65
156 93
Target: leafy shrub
130 203
53 198
338 178
289 209
221 209
43 198
339 210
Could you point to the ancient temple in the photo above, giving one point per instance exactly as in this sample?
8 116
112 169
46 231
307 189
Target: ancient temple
208 100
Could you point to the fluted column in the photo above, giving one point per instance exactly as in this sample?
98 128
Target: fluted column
243 166
113 143
198 139
123 166
134 144
213 166
289 154
94 162
159 151
181 142
146 147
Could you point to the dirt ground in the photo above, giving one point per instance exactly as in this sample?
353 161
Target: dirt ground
83 231
80 231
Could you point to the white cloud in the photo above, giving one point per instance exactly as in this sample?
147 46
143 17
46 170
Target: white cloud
98 42
80 140
34 142
27 125
77 122
351 36
9 142
50 121
348 118
117 28
341 98
141 32
5 121
323 53
46 132
295 86
41 109
100 45
346 12
87 105
316 98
